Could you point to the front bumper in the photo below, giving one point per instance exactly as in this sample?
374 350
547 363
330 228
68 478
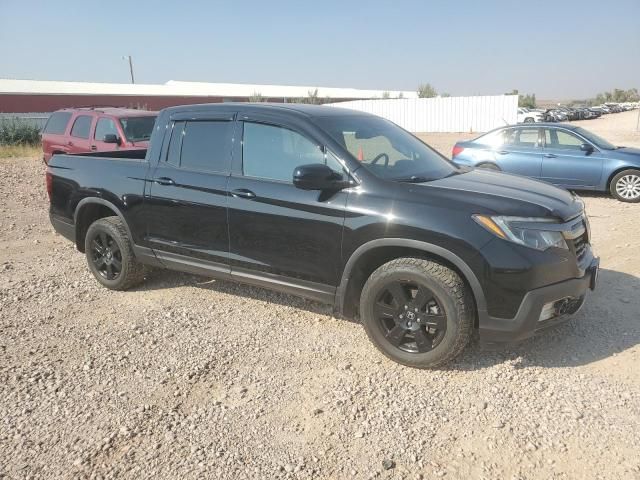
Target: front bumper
568 297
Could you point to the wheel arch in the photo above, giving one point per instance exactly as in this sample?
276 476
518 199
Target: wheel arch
369 256
616 172
88 211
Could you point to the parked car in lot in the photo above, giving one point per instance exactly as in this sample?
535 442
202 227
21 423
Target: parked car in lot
81 130
565 155
529 116
554 115
337 206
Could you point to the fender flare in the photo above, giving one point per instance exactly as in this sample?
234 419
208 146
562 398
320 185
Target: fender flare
99 201
449 256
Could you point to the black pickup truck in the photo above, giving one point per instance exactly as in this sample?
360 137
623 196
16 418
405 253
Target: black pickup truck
336 206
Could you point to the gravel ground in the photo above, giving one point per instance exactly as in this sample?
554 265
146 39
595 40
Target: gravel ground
186 377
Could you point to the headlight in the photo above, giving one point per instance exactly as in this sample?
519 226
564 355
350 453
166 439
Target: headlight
515 229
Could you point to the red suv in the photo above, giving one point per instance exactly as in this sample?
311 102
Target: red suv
81 130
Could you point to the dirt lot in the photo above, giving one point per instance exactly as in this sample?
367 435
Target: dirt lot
187 377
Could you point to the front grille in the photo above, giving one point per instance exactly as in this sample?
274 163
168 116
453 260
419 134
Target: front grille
580 245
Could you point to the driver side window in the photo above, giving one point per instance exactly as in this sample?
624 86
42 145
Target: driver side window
273 152
561 139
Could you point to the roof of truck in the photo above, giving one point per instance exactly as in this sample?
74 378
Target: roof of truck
297 108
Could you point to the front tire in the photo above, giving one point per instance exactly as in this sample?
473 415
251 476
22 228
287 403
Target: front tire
110 255
529 120
625 186
417 312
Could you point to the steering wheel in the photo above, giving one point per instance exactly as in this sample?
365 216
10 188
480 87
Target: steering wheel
378 157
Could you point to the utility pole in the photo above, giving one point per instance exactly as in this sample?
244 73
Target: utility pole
125 57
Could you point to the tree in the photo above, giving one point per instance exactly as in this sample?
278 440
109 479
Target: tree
426 91
256 97
527 101
618 96
313 98
445 95
386 95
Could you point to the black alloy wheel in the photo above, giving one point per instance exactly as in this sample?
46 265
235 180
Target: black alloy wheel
410 316
106 255
110 255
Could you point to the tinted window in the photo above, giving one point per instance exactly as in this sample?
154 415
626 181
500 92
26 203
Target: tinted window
173 154
104 127
57 123
206 146
81 127
561 139
137 129
274 152
523 137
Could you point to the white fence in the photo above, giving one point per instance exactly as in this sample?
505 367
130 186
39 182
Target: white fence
443 114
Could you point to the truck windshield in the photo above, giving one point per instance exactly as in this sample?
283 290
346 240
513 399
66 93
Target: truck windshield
385 149
137 129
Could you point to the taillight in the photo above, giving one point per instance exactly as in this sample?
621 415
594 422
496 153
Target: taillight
49 179
456 151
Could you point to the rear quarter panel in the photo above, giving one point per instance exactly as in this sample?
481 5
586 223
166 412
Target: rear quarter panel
474 154
120 182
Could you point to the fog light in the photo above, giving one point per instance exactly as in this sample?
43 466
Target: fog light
548 311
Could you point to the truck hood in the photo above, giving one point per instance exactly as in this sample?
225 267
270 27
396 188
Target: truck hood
506 194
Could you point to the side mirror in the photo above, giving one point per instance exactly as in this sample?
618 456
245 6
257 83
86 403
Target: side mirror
317 176
586 147
112 138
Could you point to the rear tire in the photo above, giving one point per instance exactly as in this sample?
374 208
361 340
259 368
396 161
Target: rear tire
625 186
110 255
417 312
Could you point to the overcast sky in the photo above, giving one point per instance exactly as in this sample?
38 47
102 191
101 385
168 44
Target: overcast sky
557 49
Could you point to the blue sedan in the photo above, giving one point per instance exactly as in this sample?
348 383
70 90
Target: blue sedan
565 155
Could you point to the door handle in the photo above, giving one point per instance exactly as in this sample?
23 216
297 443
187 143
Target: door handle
243 193
502 152
550 155
70 144
93 147
164 181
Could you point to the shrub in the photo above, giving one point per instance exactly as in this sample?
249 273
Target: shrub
426 91
18 132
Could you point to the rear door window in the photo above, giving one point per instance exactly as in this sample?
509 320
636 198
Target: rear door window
82 126
522 137
206 146
57 123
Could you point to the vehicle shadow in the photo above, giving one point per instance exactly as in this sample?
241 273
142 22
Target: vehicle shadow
159 279
609 322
